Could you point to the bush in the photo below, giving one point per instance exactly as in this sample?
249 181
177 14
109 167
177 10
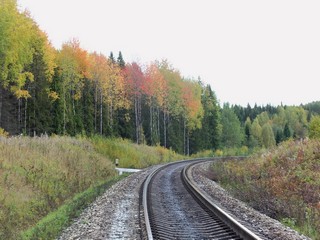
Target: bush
284 183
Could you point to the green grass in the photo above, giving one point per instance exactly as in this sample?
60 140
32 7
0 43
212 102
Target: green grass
51 226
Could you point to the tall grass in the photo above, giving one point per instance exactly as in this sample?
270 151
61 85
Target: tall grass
284 183
40 175
131 155
236 151
37 175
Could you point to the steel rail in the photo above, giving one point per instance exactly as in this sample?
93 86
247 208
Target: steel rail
199 195
145 193
244 232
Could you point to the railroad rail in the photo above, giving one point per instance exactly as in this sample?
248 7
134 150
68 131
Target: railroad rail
174 208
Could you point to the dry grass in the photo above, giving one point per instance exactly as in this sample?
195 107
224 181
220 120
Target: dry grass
131 155
283 183
38 174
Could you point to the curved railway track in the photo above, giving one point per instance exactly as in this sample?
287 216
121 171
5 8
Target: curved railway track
175 209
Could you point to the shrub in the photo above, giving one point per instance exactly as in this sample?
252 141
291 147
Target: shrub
283 183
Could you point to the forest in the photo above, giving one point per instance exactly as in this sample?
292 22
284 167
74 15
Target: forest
71 91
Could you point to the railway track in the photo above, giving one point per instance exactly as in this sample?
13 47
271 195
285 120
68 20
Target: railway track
175 209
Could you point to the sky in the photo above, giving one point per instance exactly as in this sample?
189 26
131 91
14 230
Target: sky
263 52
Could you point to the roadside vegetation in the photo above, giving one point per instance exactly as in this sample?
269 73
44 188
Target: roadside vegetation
283 183
225 152
59 176
133 155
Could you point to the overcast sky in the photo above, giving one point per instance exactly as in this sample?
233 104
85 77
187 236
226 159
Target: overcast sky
263 52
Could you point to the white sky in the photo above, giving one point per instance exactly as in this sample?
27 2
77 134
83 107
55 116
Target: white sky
248 51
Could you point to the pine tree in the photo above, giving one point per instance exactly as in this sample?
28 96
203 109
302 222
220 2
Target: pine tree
286 132
111 57
120 61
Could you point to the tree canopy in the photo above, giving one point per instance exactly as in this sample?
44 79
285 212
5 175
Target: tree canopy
72 91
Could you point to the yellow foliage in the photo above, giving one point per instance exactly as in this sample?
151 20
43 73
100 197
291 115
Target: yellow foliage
22 94
3 133
53 95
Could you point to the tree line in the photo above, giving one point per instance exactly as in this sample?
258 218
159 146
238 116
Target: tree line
71 91
267 126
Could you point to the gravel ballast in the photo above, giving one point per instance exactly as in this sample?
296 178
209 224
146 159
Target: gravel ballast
264 226
115 214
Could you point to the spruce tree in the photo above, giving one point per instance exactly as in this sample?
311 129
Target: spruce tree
111 57
286 132
120 61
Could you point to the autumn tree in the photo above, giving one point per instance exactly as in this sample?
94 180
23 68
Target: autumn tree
173 115
192 110
73 63
114 94
99 72
208 136
135 80
155 89
16 54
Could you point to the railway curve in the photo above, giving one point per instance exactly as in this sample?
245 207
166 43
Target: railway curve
174 208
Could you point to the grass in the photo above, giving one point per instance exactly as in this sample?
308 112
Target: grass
45 182
131 155
283 183
225 152
51 226
37 175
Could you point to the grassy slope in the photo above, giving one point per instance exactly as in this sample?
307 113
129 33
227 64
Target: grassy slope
40 175
131 155
283 183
